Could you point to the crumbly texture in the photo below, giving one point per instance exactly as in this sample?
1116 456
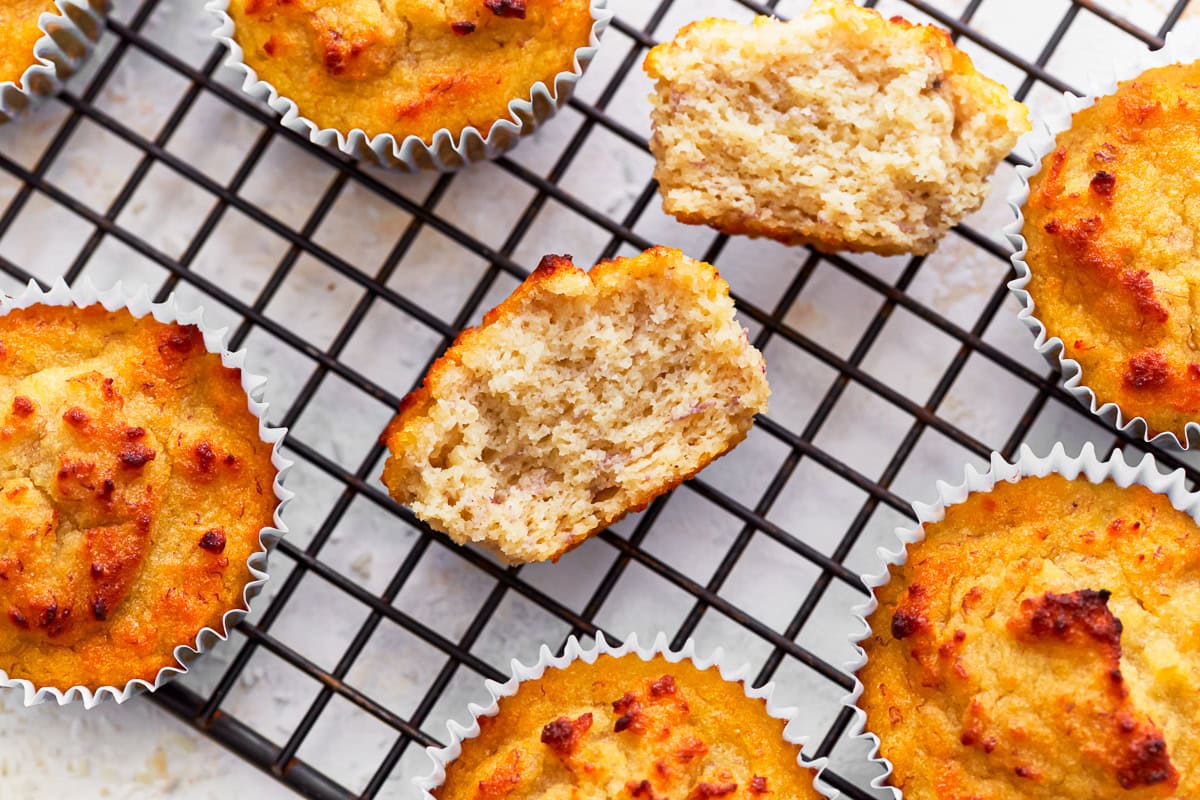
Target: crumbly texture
409 67
581 398
1043 641
19 21
627 728
133 487
839 129
1113 226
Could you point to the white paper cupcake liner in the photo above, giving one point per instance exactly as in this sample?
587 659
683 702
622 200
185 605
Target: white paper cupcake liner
1179 48
447 150
69 37
575 651
139 303
1086 465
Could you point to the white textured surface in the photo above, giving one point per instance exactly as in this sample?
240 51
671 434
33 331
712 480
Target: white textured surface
136 751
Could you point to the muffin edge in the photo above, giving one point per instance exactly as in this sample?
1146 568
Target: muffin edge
67 42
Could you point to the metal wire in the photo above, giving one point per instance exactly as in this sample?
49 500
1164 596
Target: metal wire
207 713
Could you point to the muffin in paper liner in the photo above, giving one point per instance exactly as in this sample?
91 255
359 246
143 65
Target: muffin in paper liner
1179 48
632 648
1087 465
68 39
139 303
446 150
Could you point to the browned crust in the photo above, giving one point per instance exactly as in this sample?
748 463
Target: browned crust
989 674
760 230
1082 619
414 69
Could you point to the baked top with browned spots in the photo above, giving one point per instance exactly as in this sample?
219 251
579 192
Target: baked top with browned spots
133 488
1113 228
19 21
841 129
1043 641
628 728
409 67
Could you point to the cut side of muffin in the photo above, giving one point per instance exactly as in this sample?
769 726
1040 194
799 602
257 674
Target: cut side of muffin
582 397
840 129
1111 227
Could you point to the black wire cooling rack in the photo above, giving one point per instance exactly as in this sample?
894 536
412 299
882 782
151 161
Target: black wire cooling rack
847 374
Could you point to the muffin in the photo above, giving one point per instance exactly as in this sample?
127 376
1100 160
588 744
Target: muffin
1043 641
624 727
411 67
19 21
1110 226
33 62
134 493
840 129
582 397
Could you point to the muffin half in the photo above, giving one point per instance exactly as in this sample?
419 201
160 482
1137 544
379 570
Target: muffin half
1111 268
581 398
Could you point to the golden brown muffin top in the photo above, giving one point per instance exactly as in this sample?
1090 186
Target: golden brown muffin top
19 22
1043 641
409 67
628 728
133 487
581 398
1112 224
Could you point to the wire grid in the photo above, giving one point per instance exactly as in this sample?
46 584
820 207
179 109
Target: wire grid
208 710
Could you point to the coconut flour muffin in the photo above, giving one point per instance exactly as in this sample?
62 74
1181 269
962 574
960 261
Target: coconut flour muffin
35 62
1043 641
628 728
409 67
839 129
133 488
1111 225
582 397
19 21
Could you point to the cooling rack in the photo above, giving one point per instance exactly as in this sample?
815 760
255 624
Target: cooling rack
345 282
